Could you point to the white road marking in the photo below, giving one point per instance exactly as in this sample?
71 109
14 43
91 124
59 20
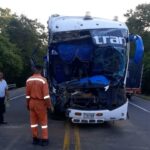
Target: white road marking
17 97
135 105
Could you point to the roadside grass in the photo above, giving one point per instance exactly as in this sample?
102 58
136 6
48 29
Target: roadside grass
146 97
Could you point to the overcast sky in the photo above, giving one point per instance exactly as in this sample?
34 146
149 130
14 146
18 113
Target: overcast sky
42 9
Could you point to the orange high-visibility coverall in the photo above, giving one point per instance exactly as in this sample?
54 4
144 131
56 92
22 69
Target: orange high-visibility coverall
38 100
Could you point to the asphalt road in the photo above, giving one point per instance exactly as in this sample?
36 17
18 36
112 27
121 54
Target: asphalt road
132 134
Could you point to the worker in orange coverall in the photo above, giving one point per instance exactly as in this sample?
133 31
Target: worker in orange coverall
38 101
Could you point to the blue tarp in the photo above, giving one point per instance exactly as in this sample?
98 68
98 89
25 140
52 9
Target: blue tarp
95 81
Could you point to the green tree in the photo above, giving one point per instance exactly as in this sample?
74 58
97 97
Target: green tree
138 20
10 61
25 35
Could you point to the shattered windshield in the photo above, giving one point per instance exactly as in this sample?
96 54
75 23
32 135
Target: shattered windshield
109 60
110 52
94 52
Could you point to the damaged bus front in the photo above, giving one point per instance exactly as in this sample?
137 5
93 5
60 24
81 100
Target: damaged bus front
87 65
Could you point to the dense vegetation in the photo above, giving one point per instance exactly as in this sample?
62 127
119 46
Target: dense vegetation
19 35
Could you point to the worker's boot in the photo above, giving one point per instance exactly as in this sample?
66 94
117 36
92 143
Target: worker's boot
36 141
44 142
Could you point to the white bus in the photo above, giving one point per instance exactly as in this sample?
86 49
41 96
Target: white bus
87 66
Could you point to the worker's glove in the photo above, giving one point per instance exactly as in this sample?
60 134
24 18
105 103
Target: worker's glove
48 104
52 108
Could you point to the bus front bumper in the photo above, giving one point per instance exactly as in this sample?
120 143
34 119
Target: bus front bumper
98 116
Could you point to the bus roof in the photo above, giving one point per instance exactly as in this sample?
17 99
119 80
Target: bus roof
58 23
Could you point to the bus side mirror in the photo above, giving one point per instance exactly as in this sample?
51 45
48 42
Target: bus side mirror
139 47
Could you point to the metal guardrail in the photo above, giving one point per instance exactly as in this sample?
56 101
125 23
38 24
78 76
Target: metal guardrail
11 86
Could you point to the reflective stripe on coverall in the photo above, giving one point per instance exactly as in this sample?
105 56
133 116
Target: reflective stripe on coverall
38 100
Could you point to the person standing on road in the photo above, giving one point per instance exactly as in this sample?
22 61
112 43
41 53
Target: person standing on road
3 95
38 101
